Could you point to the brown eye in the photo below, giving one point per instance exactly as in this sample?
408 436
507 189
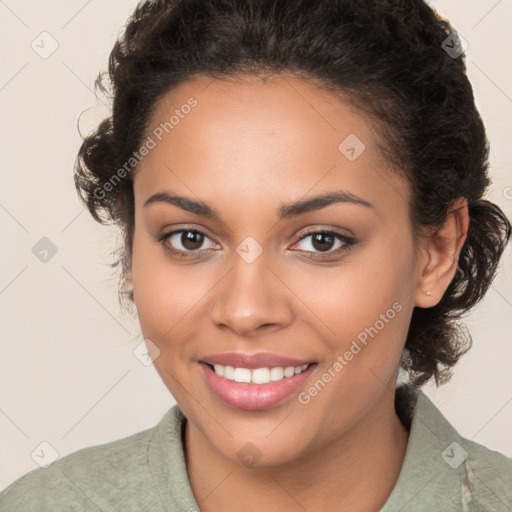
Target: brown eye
185 242
191 240
323 241
322 244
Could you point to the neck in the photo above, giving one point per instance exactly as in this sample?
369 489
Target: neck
358 468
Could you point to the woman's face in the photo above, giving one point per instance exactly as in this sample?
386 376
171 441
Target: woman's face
341 300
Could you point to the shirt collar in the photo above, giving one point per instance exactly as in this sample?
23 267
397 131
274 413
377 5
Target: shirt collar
433 467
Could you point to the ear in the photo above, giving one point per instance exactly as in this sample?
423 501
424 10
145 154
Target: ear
440 255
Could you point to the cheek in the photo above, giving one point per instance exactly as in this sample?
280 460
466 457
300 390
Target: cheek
166 295
160 299
362 309
155 292
346 299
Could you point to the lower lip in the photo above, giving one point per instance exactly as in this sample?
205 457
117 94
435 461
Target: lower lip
254 397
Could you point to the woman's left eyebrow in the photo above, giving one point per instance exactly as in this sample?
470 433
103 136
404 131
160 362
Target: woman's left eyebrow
300 207
285 211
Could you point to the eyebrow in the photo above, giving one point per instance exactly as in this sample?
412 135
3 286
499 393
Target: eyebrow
285 211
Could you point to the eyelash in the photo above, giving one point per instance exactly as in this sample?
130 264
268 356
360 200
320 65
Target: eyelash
347 241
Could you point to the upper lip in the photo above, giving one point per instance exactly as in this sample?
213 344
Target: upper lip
259 360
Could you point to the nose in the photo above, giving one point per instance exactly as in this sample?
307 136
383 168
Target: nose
252 299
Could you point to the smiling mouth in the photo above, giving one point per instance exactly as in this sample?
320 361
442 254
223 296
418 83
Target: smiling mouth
262 375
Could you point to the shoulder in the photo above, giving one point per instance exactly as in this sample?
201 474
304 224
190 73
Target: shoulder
451 467
92 478
487 475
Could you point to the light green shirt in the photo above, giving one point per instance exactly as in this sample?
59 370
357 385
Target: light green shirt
442 471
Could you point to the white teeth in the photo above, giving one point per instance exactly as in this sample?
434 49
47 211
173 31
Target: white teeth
257 375
289 371
260 376
276 374
229 372
242 375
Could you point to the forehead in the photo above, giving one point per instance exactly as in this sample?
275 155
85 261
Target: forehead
281 111
281 136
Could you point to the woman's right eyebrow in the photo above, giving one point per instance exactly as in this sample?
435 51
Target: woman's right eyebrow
285 211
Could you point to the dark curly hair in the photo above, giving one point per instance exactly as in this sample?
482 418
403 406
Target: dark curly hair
388 58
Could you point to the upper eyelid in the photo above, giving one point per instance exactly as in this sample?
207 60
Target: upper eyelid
182 230
346 240
329 231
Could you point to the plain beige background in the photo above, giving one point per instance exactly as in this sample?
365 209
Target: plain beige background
68 375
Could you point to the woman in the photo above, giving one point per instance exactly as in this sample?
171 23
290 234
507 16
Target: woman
246 134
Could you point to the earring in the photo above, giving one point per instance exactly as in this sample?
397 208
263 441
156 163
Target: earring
428 293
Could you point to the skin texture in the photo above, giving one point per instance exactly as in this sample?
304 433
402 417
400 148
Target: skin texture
245 149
